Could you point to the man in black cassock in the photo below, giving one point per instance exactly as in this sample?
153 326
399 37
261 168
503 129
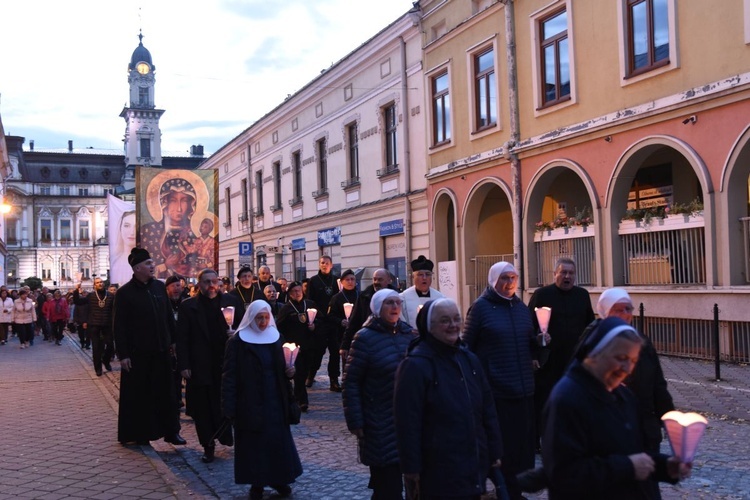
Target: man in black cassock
201 341
144 332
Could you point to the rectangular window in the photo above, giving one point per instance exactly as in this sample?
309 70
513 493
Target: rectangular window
64 191
485 89
391 156
65 234
45 229
83 191
555 58
648 35
322 166
45 191
146 148
143 96
245 199
441 109
353 137
297 169
65 270
277 185
46 271
11 225
259 192
228 206
83 230
85 269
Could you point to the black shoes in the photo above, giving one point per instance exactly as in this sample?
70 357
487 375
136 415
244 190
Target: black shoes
107 365
282 489
309 382
303 407
208 454
335 387
256 493
175 439
99 372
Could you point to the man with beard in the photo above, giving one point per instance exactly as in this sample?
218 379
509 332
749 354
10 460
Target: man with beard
571 314
144 331
98 324
380 279
201 339
321 289
416 296
246 290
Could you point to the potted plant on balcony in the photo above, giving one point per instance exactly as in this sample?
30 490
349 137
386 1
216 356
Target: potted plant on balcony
688 210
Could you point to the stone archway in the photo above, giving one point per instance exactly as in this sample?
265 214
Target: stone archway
735 203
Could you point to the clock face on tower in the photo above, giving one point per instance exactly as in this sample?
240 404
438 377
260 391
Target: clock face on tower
143 68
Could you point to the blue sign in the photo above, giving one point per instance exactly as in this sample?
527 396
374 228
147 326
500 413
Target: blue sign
298 244
392 227
328 237
246 249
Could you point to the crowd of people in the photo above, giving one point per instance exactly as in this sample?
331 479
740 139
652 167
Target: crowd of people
438 405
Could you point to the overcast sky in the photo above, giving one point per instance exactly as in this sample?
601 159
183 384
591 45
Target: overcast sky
220 64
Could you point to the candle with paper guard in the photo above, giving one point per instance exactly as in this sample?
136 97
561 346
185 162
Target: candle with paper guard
290 353
542 316
684 431
348 309
228 313
311 313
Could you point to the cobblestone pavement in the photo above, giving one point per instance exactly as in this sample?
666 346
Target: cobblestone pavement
59 440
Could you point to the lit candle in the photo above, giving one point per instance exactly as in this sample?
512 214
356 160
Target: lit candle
542 316
228 313
311 313
348 309
290 353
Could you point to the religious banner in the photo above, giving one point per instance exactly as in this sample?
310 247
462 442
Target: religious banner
121 237
177 219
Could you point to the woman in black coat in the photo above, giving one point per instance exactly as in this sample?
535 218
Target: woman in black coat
375 353
446 424
256 396
592 446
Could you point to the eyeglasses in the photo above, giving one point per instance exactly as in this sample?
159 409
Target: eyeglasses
425 274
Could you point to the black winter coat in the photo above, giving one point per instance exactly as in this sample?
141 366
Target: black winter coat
501 333
588 435
97 316
374 356
446 423
292 328
142 318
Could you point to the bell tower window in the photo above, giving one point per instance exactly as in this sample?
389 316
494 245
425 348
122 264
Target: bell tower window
143 96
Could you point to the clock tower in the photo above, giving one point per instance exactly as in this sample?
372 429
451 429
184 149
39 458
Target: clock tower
142 134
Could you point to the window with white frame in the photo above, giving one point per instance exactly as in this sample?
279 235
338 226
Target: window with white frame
245 199
65 230
85 267
45 230
322 166
46 270
277 185
83 230
391 153
441 109
352 135
259 192
485 89
297 179
554 58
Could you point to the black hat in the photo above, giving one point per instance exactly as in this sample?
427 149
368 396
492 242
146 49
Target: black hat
226 280
422 263
347 273
138 255
292 285
244 269
171 279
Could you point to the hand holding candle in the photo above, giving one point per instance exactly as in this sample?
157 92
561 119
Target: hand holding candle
348 309
542 316
290 353
228 313
311 313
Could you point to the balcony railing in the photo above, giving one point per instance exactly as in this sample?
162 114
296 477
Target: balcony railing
297 200
351 182
576 243
320 193
664 252
482 265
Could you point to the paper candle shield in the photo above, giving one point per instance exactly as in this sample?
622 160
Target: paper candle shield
228 313
290 353
348 309
684 431
542 316
311 313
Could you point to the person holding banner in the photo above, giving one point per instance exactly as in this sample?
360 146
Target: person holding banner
257 397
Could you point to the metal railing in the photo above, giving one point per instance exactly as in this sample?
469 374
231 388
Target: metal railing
482 265
693 338
745 221
580 250
665 257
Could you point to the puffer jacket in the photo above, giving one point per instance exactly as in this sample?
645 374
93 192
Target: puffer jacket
501 333
374 356
24 311
6 305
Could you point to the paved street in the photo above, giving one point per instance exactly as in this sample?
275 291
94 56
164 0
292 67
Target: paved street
59 437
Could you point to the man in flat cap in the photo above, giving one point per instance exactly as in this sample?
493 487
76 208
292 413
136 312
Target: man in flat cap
422 291
144 330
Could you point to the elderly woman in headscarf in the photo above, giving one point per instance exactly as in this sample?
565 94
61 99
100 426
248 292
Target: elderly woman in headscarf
446 423
592 445
257 397
500 331
375 353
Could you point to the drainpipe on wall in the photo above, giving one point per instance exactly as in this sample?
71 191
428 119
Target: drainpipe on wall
515 135
407 155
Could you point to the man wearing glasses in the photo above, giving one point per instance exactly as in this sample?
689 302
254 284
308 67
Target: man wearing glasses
416 296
